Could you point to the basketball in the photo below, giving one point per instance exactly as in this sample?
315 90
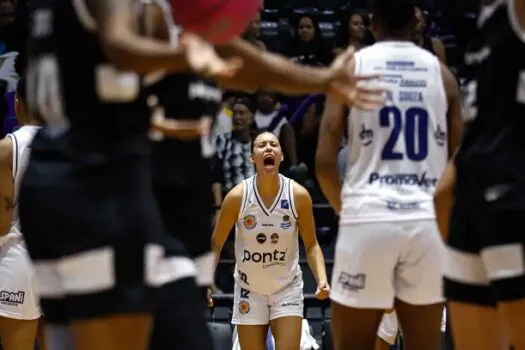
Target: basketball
217 21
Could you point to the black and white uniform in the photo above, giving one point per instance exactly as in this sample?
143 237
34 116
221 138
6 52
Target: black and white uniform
87 208
182 184
486 263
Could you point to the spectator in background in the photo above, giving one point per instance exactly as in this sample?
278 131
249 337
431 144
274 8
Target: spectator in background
7 29
308 42
423 40
352 32
223 122
253 33
233 150
271 116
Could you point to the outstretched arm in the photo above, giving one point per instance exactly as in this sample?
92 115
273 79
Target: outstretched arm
330 139
116 25
314 254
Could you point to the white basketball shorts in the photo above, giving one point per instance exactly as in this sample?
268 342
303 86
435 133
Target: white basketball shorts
377 262
18 297
250 308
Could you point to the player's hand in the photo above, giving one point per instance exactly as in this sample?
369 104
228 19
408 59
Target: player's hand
353 90
210 298
323 290
203 59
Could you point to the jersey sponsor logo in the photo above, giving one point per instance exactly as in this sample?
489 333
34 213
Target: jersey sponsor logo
352 282
394 205
267 259
285 204
366 135
286 224
441 136
244 307
290 304
261 238
249 222
413 83
413 179
274 238
12 298
204 92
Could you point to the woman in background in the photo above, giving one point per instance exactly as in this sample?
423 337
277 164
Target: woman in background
308 42
352 32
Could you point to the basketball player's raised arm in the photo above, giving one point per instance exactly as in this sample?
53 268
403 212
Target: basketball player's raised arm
306 224
230 208
266 70
330 138
6 185
116 25
443 196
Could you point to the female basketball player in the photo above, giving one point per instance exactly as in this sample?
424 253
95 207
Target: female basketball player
19 310
268 210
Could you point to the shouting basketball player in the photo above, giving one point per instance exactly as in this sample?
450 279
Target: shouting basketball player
269 211
389 251
485 275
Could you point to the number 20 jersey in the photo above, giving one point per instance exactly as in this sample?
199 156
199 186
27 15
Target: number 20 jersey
397 153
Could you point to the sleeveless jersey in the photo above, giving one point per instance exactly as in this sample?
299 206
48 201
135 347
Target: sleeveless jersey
183 97
266 240
493 148
397 153
93 113
21 140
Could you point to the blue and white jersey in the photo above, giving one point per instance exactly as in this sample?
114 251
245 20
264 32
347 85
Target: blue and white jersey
397 153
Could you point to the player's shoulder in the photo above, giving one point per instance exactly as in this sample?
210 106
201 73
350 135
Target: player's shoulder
300 193
6 150
235 195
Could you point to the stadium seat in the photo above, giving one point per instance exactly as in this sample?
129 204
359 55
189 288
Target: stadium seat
222 335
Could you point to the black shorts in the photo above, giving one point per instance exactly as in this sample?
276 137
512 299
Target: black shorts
180 320
187 216
97 246
486 246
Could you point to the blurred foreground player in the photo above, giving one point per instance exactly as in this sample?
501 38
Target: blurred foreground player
386 202
182 185
485 275
86 202
19 306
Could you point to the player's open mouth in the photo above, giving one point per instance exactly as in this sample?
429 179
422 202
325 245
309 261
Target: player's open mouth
269 161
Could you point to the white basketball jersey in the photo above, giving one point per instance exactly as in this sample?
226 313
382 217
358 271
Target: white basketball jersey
266 240
397 153
21 140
